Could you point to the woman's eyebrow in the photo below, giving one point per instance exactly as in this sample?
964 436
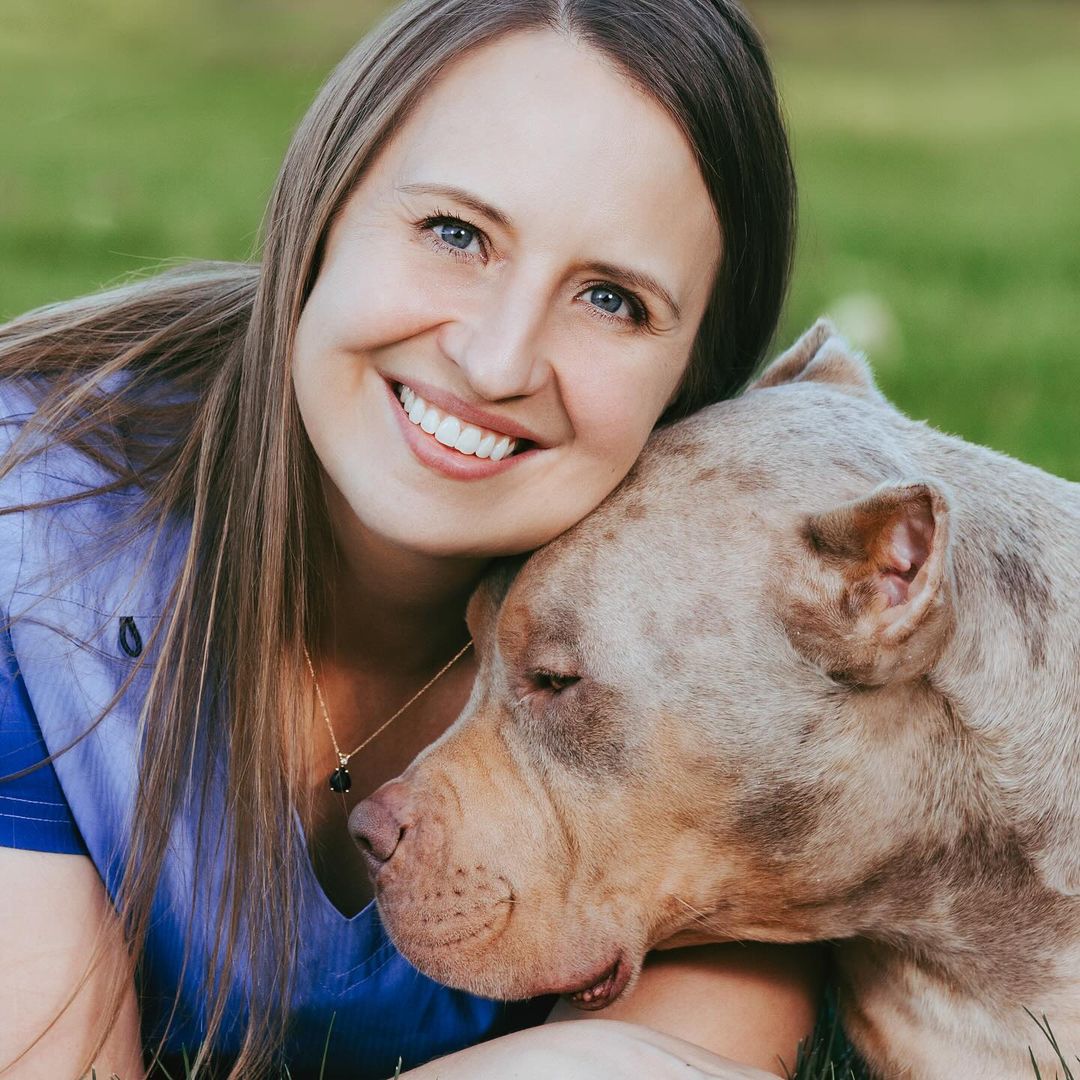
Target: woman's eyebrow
460 195
638 279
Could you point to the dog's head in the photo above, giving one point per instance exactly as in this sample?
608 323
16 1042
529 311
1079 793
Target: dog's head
689 706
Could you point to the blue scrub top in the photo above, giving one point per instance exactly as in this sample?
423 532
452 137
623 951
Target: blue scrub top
63 657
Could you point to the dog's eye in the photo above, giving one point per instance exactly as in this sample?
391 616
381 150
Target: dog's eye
552 681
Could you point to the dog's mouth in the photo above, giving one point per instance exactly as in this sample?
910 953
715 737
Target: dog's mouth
604 989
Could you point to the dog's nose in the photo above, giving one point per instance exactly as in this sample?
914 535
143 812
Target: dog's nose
378 823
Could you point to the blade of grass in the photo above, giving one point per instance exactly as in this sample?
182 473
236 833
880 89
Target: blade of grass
326 1047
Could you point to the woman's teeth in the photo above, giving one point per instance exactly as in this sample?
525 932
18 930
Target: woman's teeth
450 431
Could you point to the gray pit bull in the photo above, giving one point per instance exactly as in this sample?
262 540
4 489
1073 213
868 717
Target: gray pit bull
810 673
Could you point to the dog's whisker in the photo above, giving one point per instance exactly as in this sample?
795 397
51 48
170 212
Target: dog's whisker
702 919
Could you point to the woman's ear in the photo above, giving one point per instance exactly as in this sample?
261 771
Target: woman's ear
877 599
821 355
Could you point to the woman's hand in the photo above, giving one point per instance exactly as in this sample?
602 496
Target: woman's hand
599 1050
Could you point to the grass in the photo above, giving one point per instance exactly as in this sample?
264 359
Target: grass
938 152
826 1057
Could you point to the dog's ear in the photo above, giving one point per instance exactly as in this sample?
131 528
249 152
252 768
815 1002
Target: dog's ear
821 355
876 603
485 602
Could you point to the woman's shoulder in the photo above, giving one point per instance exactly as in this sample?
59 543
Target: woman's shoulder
81 595
66 535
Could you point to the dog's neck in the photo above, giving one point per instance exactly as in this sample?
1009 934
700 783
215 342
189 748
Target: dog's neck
977 912
1012 669
992 799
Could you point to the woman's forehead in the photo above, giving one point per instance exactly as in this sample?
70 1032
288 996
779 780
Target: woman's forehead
549 133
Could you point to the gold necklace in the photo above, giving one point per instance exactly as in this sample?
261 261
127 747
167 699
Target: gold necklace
340 780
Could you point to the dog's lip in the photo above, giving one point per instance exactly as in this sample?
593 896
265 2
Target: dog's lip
605 987
373 864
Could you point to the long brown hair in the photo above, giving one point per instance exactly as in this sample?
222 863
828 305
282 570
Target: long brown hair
228 453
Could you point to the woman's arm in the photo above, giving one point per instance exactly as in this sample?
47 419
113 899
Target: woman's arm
601 1050
52 910
751 1002
719 1011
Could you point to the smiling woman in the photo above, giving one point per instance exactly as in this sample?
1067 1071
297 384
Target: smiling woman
474 278
243 508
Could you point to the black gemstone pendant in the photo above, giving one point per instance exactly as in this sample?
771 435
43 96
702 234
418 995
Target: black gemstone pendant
340 780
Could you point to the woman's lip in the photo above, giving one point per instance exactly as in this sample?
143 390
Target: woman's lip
444 459
450 403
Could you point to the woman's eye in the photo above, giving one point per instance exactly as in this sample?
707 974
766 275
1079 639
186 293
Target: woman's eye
456 234
606 299
615 305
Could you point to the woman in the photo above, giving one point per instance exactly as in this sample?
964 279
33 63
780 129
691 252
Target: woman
230 555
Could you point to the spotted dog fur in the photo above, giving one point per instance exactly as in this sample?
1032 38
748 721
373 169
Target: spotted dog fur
827 687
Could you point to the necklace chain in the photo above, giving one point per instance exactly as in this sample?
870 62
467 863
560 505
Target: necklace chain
343 759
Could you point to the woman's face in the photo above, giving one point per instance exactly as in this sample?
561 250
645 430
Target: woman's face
529 257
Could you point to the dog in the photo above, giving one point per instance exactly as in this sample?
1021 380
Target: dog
812 672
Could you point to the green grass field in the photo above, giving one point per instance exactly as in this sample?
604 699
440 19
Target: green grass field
937 144
938 150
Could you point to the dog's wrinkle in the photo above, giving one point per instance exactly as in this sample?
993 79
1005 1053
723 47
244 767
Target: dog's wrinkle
450 791
565 844
538 801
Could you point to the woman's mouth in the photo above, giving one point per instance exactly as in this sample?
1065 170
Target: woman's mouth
452 432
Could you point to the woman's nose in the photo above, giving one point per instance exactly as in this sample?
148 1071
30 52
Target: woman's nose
497 342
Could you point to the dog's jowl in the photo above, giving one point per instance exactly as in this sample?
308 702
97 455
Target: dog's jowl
812 672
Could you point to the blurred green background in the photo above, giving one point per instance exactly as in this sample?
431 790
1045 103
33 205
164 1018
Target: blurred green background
937 145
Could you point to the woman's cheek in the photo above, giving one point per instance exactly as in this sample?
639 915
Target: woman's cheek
614 408
378 300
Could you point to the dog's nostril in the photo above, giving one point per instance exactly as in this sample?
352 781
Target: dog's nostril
375 829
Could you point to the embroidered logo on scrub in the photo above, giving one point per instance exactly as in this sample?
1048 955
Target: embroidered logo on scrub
130 638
